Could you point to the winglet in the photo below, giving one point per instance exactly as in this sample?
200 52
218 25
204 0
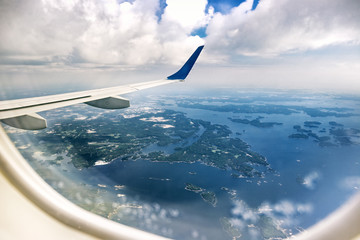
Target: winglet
184 70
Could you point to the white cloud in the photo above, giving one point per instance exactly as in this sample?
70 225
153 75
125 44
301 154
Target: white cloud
283 214
188 14
285 211
105 32
310 180
351 182
284 26
180 19
288 208
241 209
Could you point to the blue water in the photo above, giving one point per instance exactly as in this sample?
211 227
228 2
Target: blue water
306 184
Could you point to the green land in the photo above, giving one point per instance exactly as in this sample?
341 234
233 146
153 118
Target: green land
113 136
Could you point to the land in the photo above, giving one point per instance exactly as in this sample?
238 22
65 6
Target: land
335 124
113 136
193 188
209 197
298 135
323 141
229 228
215 148
269 229
243 108
270 109
344 135
338 134
312 124
256 122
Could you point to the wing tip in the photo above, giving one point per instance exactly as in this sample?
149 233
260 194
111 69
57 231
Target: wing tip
186 68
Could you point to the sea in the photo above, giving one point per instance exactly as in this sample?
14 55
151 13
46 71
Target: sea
305 182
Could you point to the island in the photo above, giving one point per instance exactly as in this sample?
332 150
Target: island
312 124
193 188
256 122
209 197
335 124
298 135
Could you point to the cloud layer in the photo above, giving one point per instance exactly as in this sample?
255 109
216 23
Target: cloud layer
285 26
133 33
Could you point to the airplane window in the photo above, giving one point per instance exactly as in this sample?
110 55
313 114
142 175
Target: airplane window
261 142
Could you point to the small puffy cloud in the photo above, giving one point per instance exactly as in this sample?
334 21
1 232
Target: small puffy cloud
284 26
351 182
151 217
285 208
241 209
309 180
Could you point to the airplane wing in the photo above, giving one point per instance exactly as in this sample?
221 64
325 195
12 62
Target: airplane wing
22 113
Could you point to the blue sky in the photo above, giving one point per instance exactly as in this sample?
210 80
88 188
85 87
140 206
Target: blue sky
225 6
291 43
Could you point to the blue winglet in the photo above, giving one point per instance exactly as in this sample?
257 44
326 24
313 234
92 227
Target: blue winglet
184 70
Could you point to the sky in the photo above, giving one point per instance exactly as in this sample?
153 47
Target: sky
268 43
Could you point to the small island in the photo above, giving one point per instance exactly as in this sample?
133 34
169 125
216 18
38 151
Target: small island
193 188
298 135
312 124
338 134
209 197
335 124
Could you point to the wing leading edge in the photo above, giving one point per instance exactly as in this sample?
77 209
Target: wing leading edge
22 113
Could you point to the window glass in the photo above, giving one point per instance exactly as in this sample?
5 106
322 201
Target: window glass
260 142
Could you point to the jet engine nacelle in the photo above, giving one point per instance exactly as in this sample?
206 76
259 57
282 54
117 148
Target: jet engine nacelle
114 102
